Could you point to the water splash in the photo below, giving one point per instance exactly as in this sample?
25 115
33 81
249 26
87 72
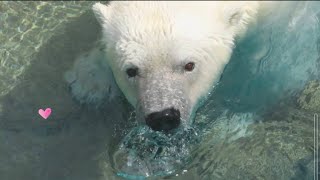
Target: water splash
144 152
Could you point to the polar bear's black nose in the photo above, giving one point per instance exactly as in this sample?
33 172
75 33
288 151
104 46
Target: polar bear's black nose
164 120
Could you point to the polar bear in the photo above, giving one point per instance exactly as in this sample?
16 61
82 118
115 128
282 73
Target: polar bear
164 56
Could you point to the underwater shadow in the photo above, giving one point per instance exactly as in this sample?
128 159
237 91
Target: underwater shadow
70 143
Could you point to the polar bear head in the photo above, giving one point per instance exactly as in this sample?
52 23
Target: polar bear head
167 56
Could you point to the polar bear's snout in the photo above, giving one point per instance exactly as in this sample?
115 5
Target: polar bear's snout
164 120
163 104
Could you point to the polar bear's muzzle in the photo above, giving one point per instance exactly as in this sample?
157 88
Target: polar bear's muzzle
162 102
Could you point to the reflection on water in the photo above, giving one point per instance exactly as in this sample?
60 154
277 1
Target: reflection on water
25 27
256 124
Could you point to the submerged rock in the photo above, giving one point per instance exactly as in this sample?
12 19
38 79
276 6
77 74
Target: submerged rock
310 97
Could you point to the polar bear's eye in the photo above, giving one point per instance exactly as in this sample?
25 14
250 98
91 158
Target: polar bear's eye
132 72
189 66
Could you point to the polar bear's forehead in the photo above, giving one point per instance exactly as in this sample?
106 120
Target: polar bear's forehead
141 29
138 30
147 21
163 21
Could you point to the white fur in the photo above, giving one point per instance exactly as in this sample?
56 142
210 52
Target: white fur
149 34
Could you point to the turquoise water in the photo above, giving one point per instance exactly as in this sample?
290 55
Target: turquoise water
251 127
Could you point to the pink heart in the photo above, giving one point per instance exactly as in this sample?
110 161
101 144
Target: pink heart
45 114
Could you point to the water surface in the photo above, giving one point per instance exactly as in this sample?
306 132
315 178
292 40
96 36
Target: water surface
256 124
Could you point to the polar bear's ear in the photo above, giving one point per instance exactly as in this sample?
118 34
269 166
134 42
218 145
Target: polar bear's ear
238 15
102 12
